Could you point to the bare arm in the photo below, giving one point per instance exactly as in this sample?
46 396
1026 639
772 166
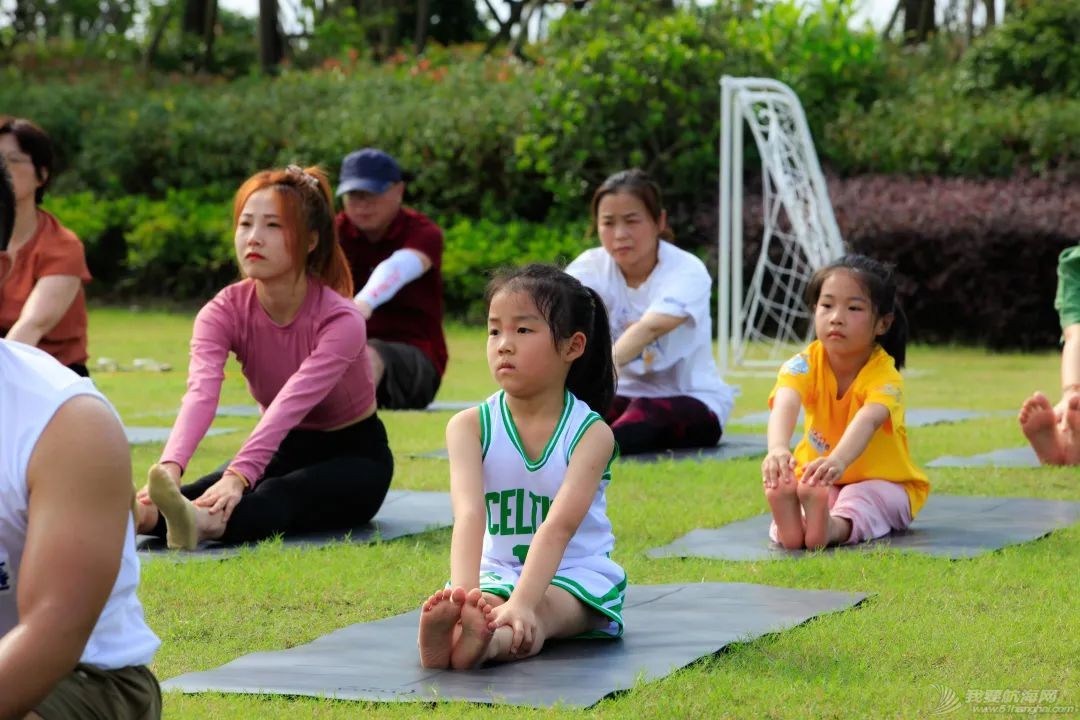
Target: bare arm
79 480
637 337
466 498
48 301
779 464
1070 359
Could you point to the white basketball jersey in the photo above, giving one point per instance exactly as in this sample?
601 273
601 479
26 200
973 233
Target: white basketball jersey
33 386
518 490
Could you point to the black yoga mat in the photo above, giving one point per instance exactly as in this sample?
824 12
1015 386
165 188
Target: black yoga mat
949 526
403 513
667 628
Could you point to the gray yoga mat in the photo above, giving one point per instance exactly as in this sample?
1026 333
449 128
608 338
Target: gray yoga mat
730 447
913 417
403 513
238 411
1009 457
453 405
949 526
142 435
667 628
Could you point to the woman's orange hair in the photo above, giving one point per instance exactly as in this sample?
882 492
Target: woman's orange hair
306 206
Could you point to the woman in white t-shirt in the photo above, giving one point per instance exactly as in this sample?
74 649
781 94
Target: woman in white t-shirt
669 394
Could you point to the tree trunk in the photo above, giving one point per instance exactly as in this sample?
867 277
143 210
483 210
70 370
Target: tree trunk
991 13
194 21
270 45
423 20
208 33
919 20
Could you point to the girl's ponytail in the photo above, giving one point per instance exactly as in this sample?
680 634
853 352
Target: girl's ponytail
592 376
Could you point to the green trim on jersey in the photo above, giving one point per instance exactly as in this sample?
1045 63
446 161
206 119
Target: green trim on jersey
591 419
610 605
485 429
515 438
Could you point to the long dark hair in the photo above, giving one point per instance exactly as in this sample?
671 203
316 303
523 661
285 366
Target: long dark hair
35 142
7 206
568 307
878 281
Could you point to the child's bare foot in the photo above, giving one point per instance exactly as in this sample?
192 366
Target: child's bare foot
471 648
1070 432
784 503
815 503
438 617
1037 421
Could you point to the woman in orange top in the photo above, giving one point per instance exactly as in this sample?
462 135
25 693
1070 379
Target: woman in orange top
43 302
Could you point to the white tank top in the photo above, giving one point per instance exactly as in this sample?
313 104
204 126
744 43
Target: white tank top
33 386
518 491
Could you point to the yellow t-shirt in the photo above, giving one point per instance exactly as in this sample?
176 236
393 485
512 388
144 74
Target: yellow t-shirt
886 456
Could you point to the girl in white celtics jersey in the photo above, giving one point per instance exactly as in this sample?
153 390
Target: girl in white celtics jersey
530 554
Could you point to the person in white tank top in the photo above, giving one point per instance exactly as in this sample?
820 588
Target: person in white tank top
73 642
530 554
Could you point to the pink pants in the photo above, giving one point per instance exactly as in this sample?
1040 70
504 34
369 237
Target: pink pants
874 507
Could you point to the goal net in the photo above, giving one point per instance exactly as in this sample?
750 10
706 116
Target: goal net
762 323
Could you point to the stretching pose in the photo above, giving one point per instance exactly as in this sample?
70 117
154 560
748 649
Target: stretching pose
530 555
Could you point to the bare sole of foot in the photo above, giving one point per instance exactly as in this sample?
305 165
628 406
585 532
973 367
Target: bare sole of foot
816 507
438 618
471 648
788 518
180 516
1037 421
1070 432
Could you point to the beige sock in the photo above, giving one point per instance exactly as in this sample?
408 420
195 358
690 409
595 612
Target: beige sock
182 533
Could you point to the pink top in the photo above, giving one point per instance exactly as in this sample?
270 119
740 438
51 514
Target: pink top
312 373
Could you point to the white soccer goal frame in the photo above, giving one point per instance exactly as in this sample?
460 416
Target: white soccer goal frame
794 184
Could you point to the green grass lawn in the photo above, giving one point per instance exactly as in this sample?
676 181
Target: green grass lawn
1005 621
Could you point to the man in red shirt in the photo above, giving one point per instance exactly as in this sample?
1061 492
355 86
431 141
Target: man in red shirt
395 254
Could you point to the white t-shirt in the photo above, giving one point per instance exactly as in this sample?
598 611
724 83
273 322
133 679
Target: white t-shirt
33 386
680 362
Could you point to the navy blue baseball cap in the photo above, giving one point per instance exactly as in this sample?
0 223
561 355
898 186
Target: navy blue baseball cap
369 170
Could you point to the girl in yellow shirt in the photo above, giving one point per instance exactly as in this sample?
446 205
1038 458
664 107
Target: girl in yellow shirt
851 477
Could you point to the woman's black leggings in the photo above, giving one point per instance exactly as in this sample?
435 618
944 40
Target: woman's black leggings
317 480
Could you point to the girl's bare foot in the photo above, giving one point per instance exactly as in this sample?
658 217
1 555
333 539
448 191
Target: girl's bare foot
784 503
472 647
815 503
1070 432
1037 421
438 617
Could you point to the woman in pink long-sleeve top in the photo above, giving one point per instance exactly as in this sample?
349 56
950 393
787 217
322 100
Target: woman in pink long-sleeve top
318 457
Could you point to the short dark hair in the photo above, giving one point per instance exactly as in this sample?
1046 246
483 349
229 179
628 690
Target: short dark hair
34 142
7 206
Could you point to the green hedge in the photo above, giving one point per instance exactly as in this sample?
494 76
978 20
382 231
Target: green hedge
180 247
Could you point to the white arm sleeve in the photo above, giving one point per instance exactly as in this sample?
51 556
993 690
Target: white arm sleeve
389 276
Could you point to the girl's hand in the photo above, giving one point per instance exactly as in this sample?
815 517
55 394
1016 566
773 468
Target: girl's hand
223 495
778 466
521 620
173 470
823 471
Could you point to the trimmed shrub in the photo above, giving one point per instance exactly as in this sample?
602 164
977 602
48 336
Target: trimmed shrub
977 261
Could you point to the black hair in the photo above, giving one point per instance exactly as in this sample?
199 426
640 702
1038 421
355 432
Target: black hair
35 142
638 183
568 307
7 206
880 284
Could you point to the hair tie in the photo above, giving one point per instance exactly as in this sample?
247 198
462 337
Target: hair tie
311 180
